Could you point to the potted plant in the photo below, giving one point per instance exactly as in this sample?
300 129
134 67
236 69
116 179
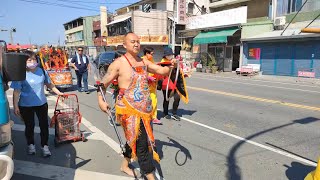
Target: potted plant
208 69
212 63
204 62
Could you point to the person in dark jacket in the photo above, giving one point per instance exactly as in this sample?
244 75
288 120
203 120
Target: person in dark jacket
80 63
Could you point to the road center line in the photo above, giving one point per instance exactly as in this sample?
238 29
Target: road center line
276 82
277 87
257 99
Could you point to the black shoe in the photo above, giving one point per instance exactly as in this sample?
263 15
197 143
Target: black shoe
176 117
87 92
167 116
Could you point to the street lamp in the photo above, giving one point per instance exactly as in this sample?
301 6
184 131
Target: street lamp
12 30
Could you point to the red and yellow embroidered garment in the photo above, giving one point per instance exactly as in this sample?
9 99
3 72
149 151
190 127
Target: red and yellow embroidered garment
133 105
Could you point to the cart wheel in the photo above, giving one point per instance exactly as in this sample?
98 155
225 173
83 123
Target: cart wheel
83 138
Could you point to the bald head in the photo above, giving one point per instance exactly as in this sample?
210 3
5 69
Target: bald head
132 43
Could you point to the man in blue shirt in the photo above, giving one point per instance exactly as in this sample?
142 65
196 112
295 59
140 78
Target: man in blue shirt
80 63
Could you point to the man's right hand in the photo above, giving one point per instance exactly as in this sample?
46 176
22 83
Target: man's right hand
105 107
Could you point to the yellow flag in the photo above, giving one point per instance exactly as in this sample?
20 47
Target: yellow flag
314 175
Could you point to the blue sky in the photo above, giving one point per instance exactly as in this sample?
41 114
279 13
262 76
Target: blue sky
42 23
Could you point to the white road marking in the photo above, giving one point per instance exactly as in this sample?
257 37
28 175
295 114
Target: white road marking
278 87
252 142
99 135
88 135
57 172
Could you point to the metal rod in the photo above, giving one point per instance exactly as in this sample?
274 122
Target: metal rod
294 17
113 121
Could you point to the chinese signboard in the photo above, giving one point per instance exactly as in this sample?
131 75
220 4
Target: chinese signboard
182 17
221 18
114 40
306 74
152 39
144 39
255 53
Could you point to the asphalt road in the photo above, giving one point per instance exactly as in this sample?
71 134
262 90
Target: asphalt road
232 128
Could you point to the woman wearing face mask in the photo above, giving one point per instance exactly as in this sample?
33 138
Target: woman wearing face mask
179 91
29 99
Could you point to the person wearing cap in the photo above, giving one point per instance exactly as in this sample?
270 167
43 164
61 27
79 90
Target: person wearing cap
177 91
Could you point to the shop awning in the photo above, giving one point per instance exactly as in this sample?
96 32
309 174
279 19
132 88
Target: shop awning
218 36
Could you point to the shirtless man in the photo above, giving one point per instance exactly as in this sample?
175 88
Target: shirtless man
134 106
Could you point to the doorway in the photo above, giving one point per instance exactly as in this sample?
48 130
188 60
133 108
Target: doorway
228 59
236 57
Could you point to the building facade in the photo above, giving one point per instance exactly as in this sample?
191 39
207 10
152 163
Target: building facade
219 30
286 50
154 25
78 32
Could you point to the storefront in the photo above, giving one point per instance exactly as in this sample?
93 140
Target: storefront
218 34
223 44
283 55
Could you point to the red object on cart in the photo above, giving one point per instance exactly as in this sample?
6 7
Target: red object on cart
66 120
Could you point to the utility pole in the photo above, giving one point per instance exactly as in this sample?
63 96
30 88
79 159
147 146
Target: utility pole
12 30
173 33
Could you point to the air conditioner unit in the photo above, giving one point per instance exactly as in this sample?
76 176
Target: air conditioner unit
279 22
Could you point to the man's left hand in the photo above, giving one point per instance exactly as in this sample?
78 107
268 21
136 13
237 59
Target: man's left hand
173 63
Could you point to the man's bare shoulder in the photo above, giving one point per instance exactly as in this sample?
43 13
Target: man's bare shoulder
117 63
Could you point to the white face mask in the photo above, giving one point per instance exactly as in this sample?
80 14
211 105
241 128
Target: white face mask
32 65
169 57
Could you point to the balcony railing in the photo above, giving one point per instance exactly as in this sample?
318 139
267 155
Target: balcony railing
220 3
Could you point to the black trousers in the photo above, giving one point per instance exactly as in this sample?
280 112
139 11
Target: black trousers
143 154
176 102
27 114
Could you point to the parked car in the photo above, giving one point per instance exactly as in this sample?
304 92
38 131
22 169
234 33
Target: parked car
104 59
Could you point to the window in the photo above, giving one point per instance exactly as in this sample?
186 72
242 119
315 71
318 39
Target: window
219 52
190 8
80 22
291 6
154 6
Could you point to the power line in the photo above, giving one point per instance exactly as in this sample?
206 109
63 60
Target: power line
77 1
57 4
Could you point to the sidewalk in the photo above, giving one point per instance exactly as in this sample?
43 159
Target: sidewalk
284 79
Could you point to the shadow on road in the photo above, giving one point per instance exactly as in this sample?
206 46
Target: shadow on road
298 170
180 112
181 149
65 155
234 171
